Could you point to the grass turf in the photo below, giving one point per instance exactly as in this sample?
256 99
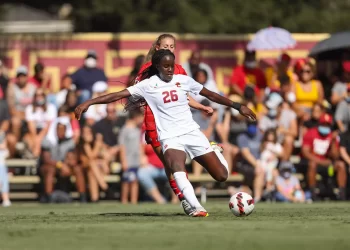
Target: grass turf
149 226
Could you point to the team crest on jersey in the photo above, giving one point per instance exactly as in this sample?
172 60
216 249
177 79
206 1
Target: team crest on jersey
178 85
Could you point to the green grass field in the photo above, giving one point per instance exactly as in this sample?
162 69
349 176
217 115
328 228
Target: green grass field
149 226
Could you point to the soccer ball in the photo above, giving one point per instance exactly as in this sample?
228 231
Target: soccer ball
241 204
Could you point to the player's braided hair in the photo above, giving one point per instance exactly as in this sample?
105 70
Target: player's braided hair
147 73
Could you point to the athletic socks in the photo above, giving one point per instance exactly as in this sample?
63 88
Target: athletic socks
175 189
221 158
186 188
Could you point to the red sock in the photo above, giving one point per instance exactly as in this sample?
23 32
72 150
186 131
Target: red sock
175 189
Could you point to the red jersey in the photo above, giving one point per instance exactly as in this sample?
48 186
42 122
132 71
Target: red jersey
319 145
149 118
241 76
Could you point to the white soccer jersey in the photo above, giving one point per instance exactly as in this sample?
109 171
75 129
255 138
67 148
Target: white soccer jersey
169 104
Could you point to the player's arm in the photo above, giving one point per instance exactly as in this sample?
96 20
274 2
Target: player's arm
196 105
214 97
113 97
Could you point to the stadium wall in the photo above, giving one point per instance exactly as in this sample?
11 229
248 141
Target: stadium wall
62 53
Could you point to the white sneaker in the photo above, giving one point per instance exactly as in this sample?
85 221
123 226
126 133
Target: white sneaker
188 209
6 203
214 146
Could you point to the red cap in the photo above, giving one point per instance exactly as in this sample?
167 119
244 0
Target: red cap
326 119
346 66
299 64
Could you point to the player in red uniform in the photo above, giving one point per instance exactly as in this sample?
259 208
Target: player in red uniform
165 41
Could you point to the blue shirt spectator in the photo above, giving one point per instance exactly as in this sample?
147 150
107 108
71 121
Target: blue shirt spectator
87 75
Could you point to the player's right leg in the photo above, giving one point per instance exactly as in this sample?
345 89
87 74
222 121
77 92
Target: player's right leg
175 158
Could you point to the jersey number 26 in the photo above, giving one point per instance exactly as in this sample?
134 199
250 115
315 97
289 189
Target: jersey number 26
170 96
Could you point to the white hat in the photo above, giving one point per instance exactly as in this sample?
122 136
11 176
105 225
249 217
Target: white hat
23 70
274 101
99 87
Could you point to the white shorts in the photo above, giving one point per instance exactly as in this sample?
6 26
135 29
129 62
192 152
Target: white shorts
193 143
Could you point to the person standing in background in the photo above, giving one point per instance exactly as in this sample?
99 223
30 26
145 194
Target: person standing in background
195 63
85 77
131 149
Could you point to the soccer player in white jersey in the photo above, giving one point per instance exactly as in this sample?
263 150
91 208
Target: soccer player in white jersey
178 133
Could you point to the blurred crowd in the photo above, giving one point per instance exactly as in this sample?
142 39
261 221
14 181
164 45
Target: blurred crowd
295 118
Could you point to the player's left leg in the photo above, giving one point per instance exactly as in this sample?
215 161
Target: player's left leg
209 155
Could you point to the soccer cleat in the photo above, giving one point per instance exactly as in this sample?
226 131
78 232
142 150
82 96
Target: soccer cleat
214 146
188 209
201 212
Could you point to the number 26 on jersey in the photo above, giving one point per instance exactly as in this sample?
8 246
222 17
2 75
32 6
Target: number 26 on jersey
170 96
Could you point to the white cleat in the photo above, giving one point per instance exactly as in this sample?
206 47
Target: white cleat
188 209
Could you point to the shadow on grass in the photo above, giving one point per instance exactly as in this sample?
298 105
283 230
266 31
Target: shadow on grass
140 214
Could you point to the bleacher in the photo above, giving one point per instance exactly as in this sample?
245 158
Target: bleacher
25 186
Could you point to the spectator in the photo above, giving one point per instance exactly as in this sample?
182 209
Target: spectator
345 147
151 171
207 126
85 77
231 126
72 125
249 144
271 152
320 149
4 117
66 85
248 73
339 90
109 127
60 159
130 141
307 90
201 76
71 101
284 120
316 113
97 112
288 186
139 60
342 112
91 151
281 70
19 95
286 90
4 181
38 116
195 63
40 78
4 80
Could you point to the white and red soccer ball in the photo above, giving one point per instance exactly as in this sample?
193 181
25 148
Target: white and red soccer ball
241 204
